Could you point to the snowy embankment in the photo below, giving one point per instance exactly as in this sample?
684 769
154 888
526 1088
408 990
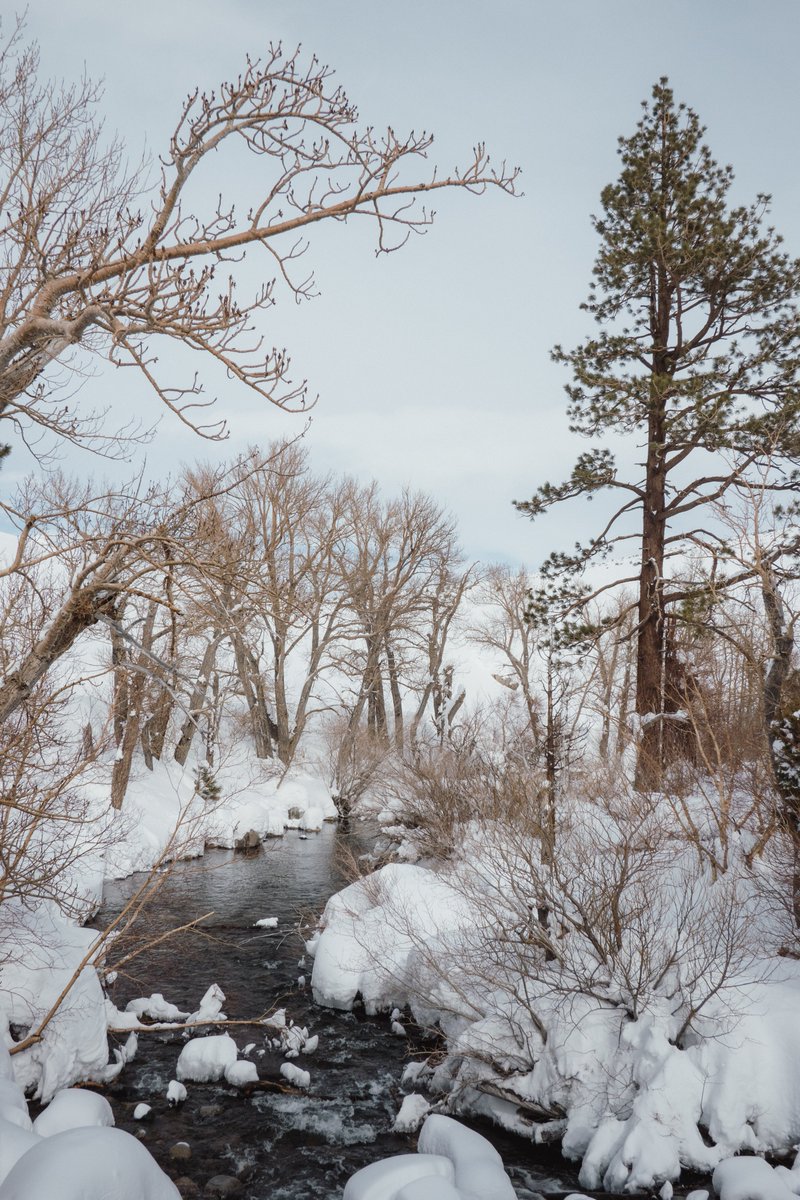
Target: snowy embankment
550 1059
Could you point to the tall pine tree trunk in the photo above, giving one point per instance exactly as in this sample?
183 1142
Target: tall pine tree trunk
650 657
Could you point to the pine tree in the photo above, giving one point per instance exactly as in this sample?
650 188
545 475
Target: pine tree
697 357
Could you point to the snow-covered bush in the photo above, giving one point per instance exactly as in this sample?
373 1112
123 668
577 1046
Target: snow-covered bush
598 988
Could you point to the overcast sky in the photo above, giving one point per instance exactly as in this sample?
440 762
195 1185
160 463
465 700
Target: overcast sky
432 365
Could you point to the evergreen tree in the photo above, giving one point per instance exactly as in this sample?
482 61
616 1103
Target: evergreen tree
697 356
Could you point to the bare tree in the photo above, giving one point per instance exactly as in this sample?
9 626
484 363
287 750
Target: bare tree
97 256
393 568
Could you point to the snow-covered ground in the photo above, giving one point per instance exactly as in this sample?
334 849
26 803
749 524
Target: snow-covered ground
698 1064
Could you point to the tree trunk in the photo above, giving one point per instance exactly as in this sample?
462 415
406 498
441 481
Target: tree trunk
650 657
397 700
197 701
78 613
250 678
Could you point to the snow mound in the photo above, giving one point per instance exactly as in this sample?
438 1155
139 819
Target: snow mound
73 1108
88 1164
238 1074
204 1060
752 1179
176 1092
453 1163
295 1075
155 1007
479 1170
14 1142
384 1179
413 1112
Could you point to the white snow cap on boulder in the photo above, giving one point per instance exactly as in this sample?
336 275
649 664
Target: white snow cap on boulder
750 1178
453 1163
383 1180
73 1108
479 1170
203 1060
88 1164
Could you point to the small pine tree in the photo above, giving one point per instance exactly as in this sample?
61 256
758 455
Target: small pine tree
206 786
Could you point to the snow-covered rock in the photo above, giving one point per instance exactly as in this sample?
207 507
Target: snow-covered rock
87 1164
478 1168
749 1178
383 1180
73 1108
156 1008
204 1060
413 1112
210 1006
295 1075
240 1073
176 1092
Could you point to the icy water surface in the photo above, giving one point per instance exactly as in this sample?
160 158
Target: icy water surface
279 1146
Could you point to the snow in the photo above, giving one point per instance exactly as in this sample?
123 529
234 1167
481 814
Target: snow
383 1180
155 1007
412 1113
73 1108
452 1163
43 951
749 1179
14 1142
176 1092
238 1074
295 1075
478 1167
369 930
87 1164
141 1111
210 1006
267 923
205 1059
633 1105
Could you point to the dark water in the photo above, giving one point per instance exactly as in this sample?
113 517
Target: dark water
278 1145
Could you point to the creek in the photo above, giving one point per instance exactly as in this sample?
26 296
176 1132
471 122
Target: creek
278 1145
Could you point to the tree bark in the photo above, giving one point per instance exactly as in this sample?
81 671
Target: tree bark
197 701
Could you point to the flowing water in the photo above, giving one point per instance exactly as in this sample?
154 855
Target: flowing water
277 1145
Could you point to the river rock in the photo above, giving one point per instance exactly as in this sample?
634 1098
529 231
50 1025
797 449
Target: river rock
249 842
181 1152
187 1187
209 1111
294 813
223 1185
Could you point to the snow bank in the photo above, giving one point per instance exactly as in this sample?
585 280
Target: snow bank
631 1100
43 951
369 930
